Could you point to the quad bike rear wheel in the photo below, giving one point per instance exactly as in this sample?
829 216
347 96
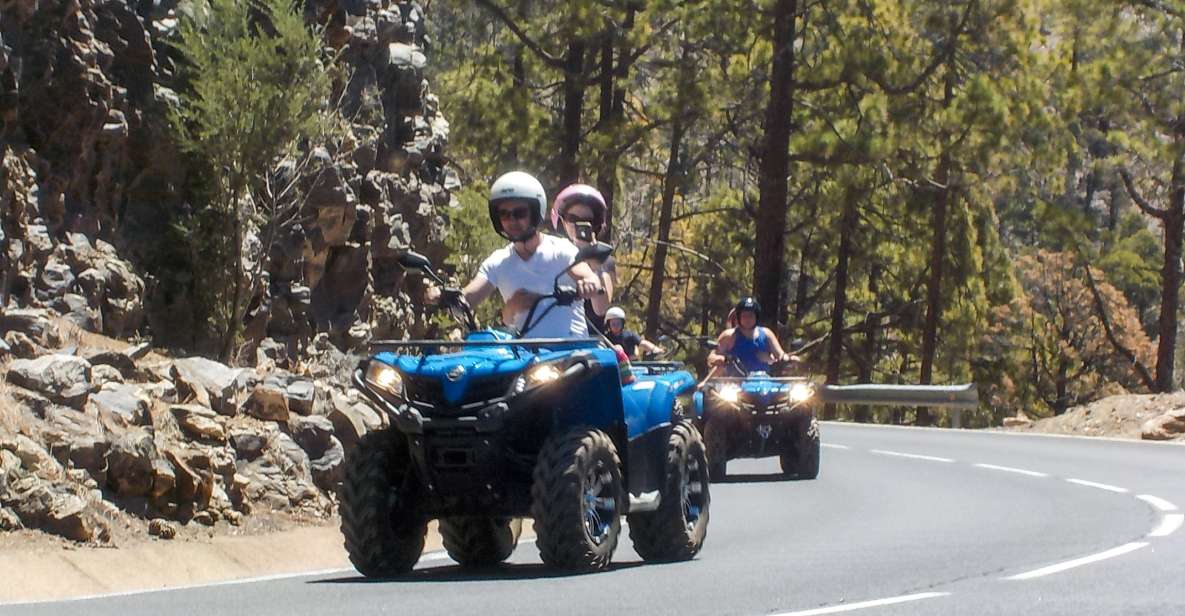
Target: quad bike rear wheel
676 530
478 541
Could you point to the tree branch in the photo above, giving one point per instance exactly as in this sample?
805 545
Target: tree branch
500 13
1101 311
1139 199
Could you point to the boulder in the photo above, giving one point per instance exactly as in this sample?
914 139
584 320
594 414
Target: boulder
248 445
1162 428
130 464
207 380
313 434
102 375
199 422
32 322
115 359
65 379
328 469
125 404
268 402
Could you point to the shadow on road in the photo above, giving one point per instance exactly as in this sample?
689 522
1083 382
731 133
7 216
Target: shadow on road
756 478
455 573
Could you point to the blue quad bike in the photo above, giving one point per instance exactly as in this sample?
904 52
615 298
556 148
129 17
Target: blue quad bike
756 415
496 427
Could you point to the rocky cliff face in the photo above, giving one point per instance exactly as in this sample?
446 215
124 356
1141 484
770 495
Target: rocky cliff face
92 186
91 193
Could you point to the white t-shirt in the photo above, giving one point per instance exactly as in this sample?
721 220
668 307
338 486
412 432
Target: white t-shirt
509 272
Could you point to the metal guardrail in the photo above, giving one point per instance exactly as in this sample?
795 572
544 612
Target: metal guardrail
954 397
949 396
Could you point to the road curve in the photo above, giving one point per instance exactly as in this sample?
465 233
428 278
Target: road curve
901 521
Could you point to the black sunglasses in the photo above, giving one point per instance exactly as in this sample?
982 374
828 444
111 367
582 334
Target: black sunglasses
577 219
518 213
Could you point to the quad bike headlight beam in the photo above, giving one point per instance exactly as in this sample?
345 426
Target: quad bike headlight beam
543 374
384 378
729 393
800 392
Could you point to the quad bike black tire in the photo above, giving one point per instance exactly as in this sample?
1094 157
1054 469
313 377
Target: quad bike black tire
576 500
676 530
382 537
479 542
717 450
803 460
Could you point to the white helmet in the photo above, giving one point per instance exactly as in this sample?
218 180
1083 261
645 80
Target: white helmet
518 185
614 313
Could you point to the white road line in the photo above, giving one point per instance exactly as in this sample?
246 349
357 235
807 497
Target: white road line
911 455
1009 469
1168 525
1078 562
1157 502
834 446
1101 486
851 607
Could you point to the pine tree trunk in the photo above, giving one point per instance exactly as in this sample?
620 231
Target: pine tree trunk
1170 276
573 113
938 216
839 307
773 203
671 180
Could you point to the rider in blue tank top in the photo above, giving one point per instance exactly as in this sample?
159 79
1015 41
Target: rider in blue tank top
754 347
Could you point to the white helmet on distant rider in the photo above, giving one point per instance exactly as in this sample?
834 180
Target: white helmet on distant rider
615 313
521 186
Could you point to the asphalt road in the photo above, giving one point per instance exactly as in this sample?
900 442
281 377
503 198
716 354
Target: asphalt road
900 521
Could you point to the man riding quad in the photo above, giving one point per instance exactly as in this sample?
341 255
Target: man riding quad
628 340
749 413
525 269
536 424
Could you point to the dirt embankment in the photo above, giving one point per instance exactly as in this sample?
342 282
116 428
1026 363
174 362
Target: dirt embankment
1159 417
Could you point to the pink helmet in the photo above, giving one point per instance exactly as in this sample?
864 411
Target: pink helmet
579 193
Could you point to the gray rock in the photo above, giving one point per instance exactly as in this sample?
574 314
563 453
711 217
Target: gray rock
130 464
78 311
62 378
32 322
120 361
268 402
248 445
199 422
55 280
215 380
329 468
128 404
103 374
313 434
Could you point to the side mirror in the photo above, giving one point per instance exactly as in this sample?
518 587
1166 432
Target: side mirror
415 261
598 252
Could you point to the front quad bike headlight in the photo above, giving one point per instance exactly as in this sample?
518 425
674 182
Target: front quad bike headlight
535 376
729 393
800 392
384 378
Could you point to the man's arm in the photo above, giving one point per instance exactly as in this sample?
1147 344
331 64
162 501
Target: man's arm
723 347
478 290
588 284
649 347
775 347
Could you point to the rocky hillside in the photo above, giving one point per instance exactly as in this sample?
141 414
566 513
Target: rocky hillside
104 416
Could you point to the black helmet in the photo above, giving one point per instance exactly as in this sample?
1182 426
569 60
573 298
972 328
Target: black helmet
750 304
